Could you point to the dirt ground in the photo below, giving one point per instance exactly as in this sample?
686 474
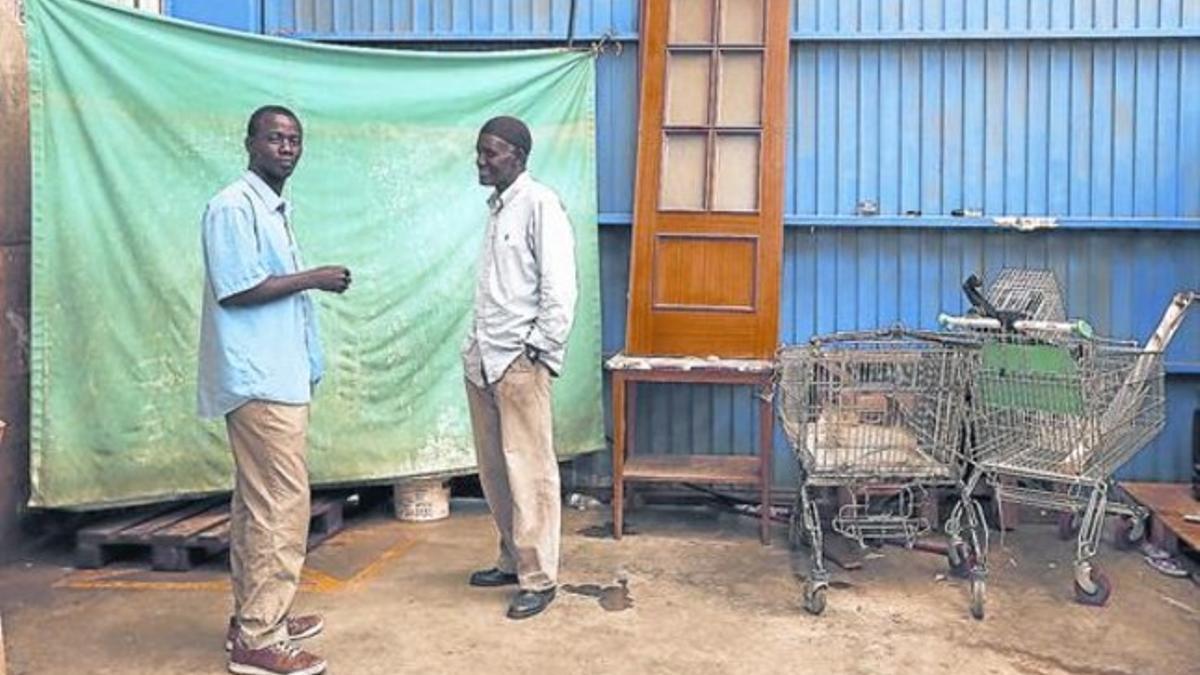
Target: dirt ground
700 595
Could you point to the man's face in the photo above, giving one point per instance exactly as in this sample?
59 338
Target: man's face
498 161
275 147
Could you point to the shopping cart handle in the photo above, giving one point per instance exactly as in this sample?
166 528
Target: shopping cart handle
1081 328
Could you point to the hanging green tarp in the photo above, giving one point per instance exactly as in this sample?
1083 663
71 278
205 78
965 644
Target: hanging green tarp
137 121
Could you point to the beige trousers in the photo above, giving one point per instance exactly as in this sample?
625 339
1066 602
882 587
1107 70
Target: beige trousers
519 471
268 517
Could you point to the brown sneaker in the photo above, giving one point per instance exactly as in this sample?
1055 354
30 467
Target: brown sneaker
281 658
299 628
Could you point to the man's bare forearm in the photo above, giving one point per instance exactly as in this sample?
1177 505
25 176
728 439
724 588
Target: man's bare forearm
331 278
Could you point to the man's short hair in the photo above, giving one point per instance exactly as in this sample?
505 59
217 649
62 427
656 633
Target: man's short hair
257 115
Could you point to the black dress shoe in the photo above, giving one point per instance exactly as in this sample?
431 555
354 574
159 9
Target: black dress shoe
492 577
528 603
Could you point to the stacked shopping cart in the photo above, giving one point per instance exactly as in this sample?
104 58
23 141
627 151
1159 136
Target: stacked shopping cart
1012 394
878 414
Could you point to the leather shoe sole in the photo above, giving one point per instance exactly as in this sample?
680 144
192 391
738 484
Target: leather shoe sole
530 603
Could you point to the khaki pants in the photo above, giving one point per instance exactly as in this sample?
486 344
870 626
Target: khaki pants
268 517
519 472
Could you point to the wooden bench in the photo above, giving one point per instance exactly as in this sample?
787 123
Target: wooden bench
650 467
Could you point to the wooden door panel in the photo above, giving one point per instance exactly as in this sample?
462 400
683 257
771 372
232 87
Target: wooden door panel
705 273
707 243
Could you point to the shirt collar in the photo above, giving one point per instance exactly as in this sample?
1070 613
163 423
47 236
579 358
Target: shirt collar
272 201
498 200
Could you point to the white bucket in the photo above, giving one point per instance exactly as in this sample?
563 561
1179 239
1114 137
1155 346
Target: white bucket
421 501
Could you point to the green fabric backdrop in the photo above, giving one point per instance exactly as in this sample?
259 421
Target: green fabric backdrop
137 121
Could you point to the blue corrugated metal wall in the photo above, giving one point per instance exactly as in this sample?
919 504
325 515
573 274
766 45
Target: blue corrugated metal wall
447 20
1084 110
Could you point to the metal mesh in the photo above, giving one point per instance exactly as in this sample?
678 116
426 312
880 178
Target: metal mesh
873 409
1035 293
1069 411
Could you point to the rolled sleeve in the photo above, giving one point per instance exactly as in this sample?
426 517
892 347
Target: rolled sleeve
231 250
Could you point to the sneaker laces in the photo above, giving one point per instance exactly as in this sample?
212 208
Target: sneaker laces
287 648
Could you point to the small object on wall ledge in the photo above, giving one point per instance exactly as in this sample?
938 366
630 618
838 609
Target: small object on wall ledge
1026 223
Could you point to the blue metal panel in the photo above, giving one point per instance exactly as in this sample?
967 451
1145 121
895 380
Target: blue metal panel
994 19
616 134
1085 131
821 20
449 20
243 15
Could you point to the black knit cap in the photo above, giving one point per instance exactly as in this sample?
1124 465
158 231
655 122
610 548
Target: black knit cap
510 129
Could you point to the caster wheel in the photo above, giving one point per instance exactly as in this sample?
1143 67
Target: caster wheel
960 560
1098 597
814 600
978 594
1129 532
1068 525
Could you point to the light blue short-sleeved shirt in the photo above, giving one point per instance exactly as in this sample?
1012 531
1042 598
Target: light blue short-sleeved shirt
268 351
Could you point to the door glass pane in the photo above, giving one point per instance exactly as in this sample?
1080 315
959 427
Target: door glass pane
739 100
742 22
690 22
687 89
735 167
685 160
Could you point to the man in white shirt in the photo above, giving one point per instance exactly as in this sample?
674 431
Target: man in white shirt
524 306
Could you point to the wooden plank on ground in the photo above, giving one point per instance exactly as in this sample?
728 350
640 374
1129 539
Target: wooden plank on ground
214 539
186 529
93 543
1168 504
104 529
145 531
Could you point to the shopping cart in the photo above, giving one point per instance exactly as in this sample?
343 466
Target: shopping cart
1055 411
880 414
1034 293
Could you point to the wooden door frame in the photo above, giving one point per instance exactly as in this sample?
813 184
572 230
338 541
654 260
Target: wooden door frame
767 223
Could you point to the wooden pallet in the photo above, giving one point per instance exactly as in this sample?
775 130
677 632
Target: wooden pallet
179 535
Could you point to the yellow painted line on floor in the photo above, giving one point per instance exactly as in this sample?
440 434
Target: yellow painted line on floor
311 580
90 581
399 550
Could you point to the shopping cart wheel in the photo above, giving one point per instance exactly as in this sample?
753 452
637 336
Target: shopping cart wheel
978 593
1129 532
1097 598
959 559
1068 525
814 599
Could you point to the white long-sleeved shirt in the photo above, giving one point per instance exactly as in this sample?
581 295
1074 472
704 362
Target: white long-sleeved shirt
526 287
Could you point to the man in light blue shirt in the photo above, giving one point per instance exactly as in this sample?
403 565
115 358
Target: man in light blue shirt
260 358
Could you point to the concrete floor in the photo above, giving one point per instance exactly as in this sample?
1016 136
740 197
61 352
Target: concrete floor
706 598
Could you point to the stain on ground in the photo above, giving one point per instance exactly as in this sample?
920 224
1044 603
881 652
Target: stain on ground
612 598
605 531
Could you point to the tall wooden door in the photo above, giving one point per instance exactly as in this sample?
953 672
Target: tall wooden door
707 243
